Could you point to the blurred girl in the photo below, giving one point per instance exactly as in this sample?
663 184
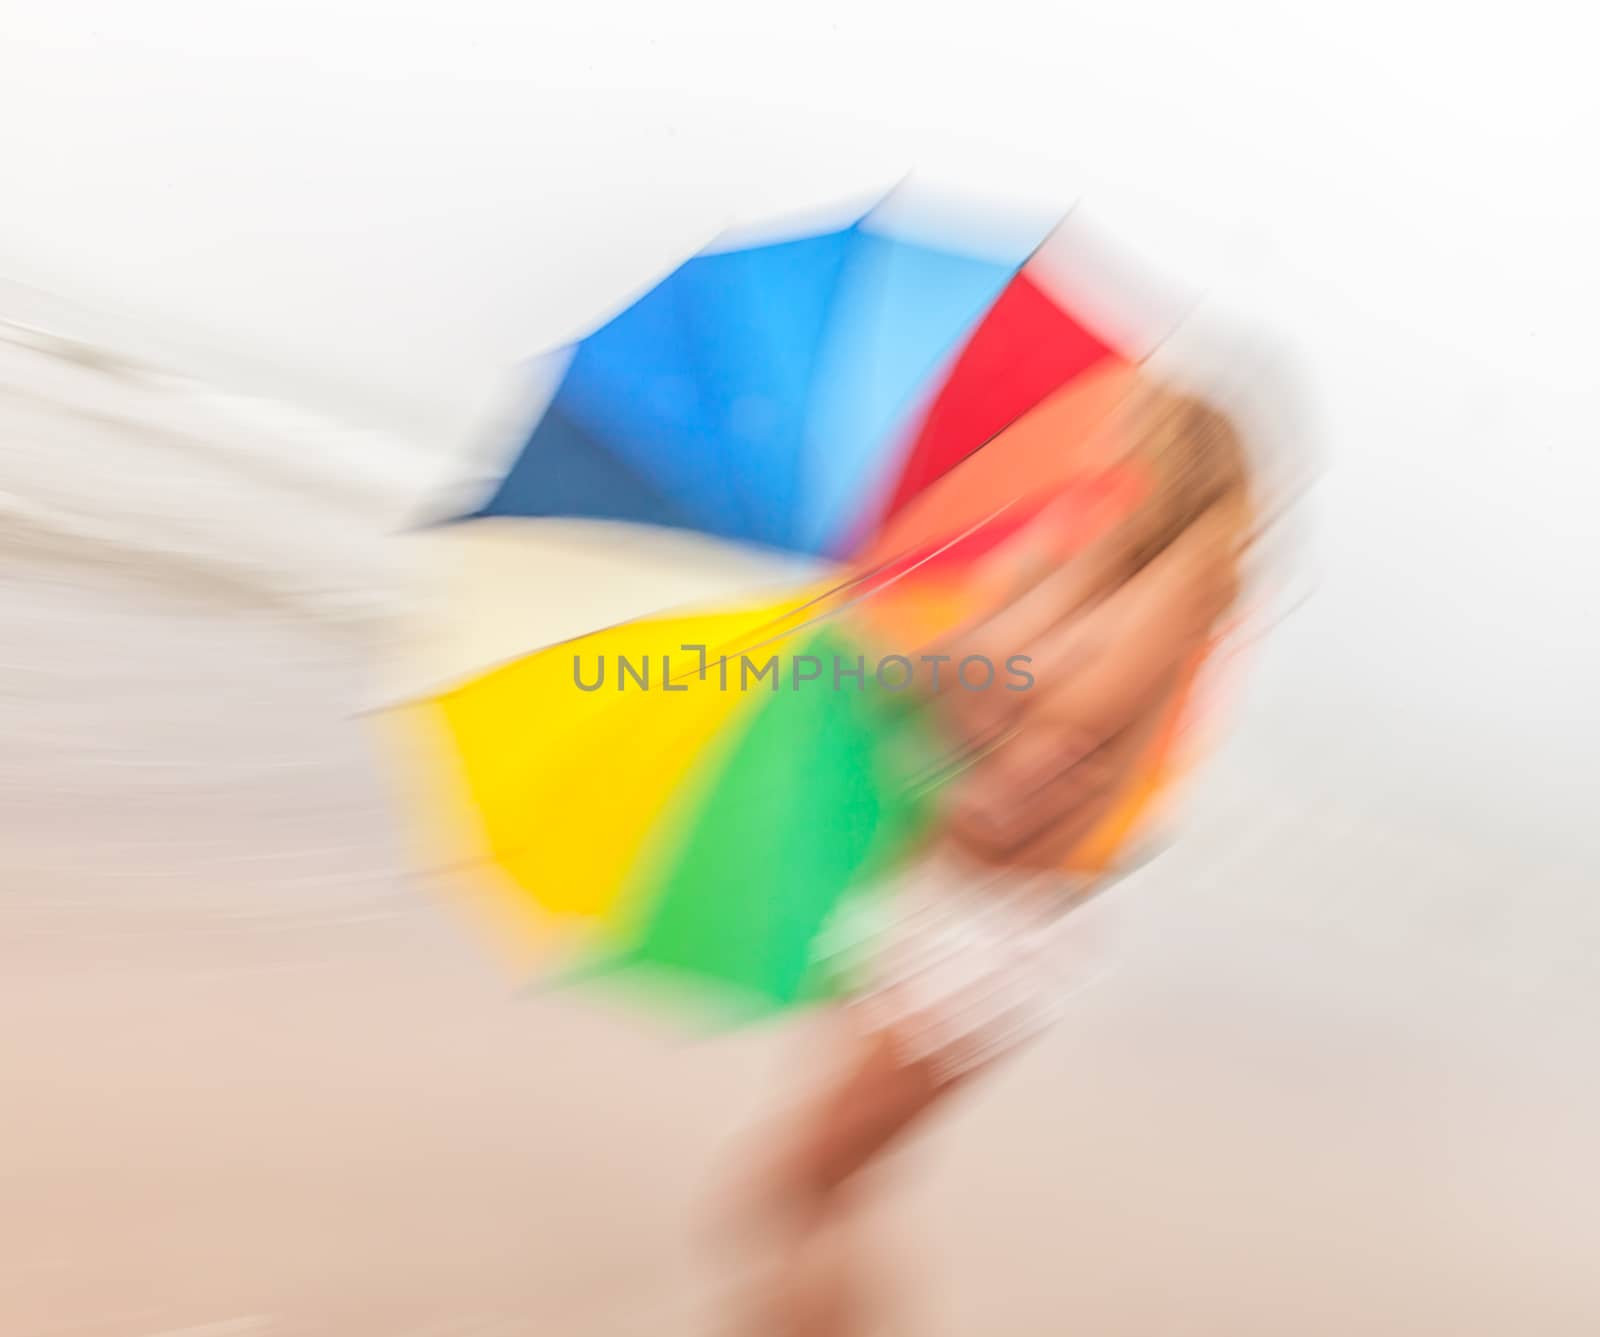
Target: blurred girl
1064 779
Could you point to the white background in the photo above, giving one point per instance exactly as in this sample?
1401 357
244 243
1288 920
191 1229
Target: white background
381 209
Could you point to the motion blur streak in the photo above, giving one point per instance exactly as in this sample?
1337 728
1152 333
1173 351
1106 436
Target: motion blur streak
1336 1075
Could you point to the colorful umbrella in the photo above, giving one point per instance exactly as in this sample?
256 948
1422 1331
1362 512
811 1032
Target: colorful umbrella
668 737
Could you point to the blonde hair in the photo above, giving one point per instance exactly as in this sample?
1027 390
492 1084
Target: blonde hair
1197 466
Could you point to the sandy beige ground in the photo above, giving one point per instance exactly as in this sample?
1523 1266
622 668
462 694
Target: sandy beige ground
254 1082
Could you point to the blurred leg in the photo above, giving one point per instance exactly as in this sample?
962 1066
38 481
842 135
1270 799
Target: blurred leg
809 1190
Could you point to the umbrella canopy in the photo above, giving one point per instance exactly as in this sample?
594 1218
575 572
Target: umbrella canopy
668 734
794 394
